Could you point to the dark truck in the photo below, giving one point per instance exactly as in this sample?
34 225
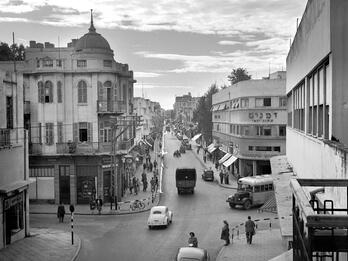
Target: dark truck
185 180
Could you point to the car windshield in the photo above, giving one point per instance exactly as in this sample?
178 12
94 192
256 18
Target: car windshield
157 212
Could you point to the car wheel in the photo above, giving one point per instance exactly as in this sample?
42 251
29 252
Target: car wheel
232 205
150 227
247 204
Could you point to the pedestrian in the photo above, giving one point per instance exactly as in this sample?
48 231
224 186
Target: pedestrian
150 166
144 166
156 182
249 230
160 145
144 185
225 233
221 174
61 213
192 241
205 158
99 203
155 164
135 185
153 184
216 165
226 176
131 186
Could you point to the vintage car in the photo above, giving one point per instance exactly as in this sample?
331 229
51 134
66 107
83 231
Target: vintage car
160 216
192 253
208 174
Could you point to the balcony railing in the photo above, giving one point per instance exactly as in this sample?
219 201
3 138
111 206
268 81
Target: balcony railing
91 147
35 148
104 106
5 138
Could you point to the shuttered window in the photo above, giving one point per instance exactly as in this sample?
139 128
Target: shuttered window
82 92
41 92
59 92
49 133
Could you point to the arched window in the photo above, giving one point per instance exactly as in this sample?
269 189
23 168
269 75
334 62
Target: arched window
48 92
59 92
41 92
82 92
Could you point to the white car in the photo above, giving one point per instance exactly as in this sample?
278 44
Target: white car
160 216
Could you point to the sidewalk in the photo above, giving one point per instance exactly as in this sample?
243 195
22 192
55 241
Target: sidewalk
266 245
209 164
124 207
42 245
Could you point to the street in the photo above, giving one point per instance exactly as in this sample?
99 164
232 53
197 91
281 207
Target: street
127 237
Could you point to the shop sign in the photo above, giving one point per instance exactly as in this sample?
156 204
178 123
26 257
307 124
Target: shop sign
263 116
12 201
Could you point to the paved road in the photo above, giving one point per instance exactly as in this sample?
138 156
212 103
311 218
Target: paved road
128 237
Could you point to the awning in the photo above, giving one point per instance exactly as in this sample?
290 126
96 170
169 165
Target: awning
270 205
224 158
18 185
145 142
230 161
196 137
212 150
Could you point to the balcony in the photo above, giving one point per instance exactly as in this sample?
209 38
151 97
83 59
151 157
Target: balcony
104 106
91 147
5 138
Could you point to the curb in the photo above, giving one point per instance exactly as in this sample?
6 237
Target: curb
204 166
78 249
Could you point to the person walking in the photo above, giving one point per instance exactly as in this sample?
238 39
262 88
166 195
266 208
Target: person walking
192 241
225 233
226 177
144 166
131 186
249 230
61 213
221 175
154 164
216 165
99 203
204 158
150 166
144 181
153 184
135 185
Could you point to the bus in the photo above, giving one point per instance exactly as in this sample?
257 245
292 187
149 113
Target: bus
252 191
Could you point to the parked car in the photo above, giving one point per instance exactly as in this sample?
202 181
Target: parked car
208 174
160 216
192 253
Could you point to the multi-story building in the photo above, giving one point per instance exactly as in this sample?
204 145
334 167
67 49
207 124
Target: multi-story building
14 176
76 96
249 122
184 107
317 137
150 113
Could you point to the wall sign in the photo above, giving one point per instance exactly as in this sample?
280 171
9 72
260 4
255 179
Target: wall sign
263 116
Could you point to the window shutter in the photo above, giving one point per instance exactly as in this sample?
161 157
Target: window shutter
51 92
100 91
89 132
76 132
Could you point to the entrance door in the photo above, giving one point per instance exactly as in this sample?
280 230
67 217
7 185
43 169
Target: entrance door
64 184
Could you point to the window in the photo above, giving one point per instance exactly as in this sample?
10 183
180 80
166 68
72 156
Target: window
124 92
282 130
59 92
82 92
245 130
48 92
277 148
263 148
9 112
263 131
58 63
282 102
49 133
47 63
244 102
107 63
263 102
81 63
251 148
231 126
60 132
83 131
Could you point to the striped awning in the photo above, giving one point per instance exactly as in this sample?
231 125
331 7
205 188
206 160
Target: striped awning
224 158
230 161
270 205
196 137
211 148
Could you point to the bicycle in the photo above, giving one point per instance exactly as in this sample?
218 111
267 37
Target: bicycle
137 204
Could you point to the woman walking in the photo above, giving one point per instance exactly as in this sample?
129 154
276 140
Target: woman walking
225 233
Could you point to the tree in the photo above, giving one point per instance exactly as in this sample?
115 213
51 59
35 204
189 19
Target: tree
203 114
238 75
7 53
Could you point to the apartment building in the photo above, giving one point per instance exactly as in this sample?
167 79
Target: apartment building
249 123
14 175
184 107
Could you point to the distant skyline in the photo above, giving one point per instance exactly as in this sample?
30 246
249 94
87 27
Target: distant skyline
173 47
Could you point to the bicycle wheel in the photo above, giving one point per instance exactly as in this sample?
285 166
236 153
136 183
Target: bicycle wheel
141 205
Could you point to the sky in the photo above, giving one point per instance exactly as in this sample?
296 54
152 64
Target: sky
173 46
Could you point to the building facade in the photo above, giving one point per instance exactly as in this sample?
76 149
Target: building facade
317 136
14 176
249 122
81 103
184 107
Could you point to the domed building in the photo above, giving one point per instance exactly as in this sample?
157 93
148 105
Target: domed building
75 95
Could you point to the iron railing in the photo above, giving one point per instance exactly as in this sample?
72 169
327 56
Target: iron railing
5 138
104 106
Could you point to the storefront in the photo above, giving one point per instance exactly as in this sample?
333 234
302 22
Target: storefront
87 180
14 212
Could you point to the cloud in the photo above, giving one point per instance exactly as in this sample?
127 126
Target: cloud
229 42
159 86
146 74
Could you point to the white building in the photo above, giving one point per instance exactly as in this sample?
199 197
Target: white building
14 174
249 122
184 107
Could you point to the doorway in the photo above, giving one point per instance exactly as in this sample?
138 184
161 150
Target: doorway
64 184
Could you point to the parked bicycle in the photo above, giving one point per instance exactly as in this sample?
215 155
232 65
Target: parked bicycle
137 205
